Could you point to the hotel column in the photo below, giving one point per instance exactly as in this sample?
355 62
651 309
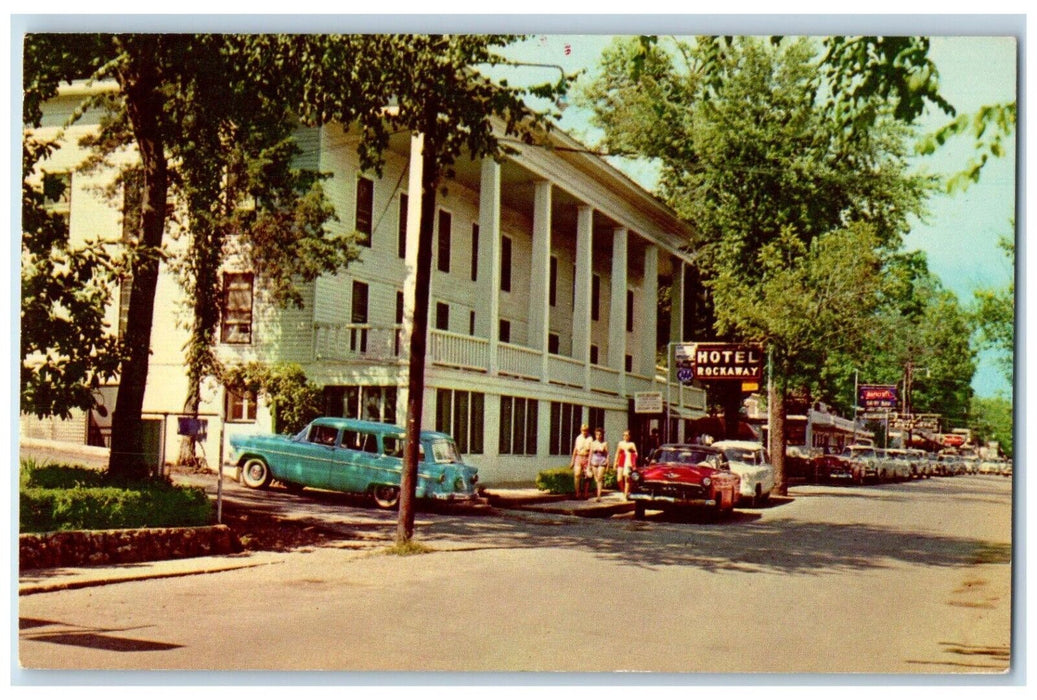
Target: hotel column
618 306
540 273
488 314
649 311
582 302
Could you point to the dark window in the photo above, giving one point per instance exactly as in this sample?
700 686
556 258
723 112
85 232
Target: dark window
630 311
504 331
553 343
399 307
505 264
443 257
237 308
358 315
442 316
594 354
628 363
240 407
565 423
377 403
518 427
401 228
475 252
553 283
595 297
365 209
595 417
471 323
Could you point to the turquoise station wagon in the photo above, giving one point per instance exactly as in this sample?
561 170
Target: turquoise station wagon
353 456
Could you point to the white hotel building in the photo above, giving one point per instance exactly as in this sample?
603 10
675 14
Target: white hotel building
543 310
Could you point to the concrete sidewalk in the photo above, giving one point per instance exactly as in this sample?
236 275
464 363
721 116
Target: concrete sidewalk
36 581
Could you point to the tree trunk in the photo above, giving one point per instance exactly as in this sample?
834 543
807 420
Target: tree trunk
419 331
144 108
731 400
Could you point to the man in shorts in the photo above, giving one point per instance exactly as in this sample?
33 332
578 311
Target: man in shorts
580 463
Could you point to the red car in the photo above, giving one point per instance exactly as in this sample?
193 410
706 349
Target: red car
685 476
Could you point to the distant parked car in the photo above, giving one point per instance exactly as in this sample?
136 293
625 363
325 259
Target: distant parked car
353 456
835 469
685 476
749 461
864 460
989 466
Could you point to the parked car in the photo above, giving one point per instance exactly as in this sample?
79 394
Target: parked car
353 456
685 476
801 465
989 466
835 469
749 461
864 461
901 464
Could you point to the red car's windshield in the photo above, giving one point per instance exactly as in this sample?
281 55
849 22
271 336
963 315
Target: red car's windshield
689 456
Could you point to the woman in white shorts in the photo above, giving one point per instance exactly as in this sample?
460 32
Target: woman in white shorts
626 461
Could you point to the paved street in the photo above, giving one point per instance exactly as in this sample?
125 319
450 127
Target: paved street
900 578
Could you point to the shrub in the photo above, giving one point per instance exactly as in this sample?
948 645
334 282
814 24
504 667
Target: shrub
560 480
59 497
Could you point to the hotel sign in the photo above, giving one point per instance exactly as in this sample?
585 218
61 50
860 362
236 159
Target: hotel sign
710 362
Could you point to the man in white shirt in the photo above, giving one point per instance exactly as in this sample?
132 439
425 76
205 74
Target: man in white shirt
581 460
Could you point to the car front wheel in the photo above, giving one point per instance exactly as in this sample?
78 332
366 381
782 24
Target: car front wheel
386 496
255 473
639 510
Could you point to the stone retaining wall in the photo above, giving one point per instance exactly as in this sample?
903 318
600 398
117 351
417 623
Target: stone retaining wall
97 547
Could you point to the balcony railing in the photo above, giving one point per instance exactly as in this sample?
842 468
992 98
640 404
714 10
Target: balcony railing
356 342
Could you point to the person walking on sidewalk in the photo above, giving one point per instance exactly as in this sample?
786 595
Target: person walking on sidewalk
626 462
599 458
580 463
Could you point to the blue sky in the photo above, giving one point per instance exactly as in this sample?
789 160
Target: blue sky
961 233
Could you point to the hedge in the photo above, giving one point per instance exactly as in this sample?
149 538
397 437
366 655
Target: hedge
560 480
56 497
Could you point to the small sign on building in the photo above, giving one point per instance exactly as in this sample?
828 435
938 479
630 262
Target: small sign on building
648 402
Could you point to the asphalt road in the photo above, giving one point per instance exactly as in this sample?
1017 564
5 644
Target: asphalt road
911 578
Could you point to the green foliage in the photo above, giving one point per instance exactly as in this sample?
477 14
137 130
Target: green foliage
560 480
993 316
992 420
60 497
990 127
294 400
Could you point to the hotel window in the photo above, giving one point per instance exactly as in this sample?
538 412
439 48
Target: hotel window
376 403
505 264
595 417
504 331
460 413
594 354
475 252
358 316
236 314
518 426
630 311
442 316
553 343
240 407
628 363
553 283
57 197
565 424
443 248
471 323
595 297
401 228
365 209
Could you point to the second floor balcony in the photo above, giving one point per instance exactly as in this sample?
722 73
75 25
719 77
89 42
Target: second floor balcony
384 345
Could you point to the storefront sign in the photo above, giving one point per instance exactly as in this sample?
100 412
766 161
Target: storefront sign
710 362
877 396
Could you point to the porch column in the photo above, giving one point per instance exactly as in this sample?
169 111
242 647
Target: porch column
618 306
677 302
649 310
582 302
540 273
488 312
